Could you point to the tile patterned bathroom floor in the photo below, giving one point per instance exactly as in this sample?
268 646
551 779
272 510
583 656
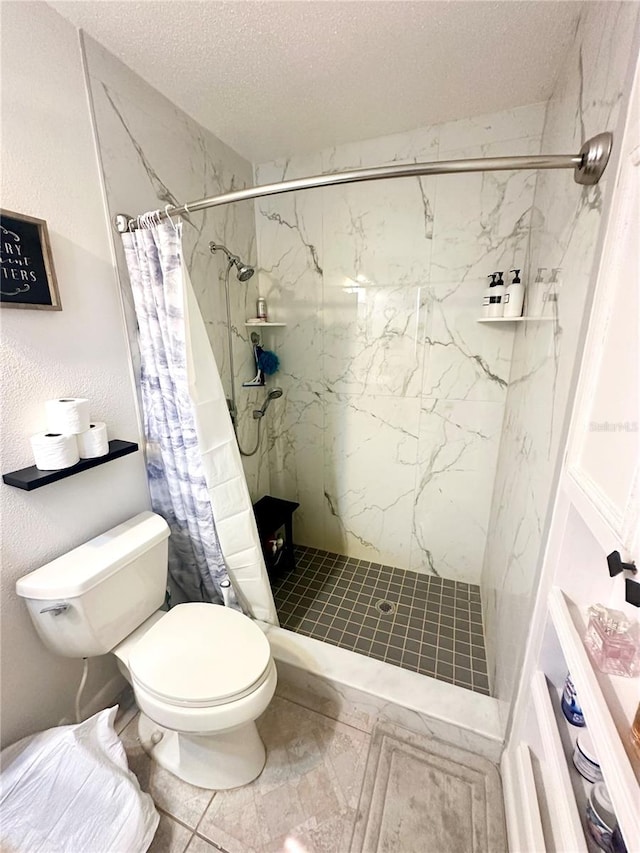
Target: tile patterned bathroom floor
435 626
328 787
305 800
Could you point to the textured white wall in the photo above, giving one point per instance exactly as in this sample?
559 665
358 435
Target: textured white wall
50 171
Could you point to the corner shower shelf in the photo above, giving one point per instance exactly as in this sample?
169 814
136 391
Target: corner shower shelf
265 325
32 478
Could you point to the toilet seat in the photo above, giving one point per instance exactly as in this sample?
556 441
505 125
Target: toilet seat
201 655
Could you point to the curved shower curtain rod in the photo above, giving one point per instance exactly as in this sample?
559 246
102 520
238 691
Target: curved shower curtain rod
588 167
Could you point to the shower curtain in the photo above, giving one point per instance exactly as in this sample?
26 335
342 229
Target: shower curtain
195 473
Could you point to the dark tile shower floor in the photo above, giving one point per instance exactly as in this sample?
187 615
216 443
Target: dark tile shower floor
433 625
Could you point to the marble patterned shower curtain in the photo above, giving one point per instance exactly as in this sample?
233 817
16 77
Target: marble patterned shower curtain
175 469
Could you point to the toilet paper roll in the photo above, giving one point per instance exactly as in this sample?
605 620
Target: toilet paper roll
52 451
93 442
67 415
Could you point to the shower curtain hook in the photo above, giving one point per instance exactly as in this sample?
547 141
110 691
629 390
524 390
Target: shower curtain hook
133 224
131 229
168 215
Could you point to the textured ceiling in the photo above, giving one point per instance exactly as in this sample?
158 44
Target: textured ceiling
277 78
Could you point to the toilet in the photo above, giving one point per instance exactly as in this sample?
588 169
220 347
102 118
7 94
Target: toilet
201 673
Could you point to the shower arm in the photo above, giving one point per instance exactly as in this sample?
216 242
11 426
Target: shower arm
588 167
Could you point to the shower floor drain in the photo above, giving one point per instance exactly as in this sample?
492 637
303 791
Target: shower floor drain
385 607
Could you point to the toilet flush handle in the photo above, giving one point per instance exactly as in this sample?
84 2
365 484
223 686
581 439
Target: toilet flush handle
56 609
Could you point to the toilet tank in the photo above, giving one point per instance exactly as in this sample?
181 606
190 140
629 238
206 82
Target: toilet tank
88 600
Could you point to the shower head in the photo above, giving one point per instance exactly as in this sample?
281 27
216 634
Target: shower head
243 271
272 395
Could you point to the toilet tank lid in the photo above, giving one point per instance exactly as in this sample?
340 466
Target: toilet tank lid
84 567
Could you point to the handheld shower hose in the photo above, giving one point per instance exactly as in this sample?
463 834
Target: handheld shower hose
243 273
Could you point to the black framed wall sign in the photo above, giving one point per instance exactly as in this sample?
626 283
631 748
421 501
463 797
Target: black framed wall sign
27 276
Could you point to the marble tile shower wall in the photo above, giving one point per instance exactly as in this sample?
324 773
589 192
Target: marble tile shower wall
586 100
389 428
153 154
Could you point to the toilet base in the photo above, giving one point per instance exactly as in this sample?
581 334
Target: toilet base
225 760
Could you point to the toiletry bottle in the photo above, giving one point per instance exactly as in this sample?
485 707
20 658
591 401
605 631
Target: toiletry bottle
486 299
613 641
551 293
617 841
600 817
585 759
261 309
514 297
535 294
496 300
570 705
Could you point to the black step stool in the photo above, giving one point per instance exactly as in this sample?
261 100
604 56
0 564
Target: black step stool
272 514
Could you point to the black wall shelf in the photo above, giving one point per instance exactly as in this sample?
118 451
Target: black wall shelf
32 478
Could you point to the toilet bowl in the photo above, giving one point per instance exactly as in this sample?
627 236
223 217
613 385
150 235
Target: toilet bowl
201 673
201 676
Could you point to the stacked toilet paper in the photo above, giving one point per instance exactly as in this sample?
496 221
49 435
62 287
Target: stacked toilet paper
70 435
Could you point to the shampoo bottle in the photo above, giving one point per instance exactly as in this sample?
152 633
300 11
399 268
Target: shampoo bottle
514 296
496 300
486 299
535 294
552 293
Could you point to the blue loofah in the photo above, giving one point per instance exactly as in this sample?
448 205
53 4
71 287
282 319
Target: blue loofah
268 362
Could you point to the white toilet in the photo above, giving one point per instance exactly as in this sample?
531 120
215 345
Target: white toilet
201 673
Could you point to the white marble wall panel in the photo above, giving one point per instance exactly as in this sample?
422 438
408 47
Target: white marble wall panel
587 99
377 248
501 127
458 443
290 271
483 218
381 285
412 146
290 278
152 154
296 459
466 360
370 455
375 337
379 231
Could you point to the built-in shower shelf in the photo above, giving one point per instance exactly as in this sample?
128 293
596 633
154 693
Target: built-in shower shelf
265 325
514 319
609 703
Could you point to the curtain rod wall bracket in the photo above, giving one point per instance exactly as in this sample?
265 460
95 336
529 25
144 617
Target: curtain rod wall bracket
595 155
588 167
121 222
